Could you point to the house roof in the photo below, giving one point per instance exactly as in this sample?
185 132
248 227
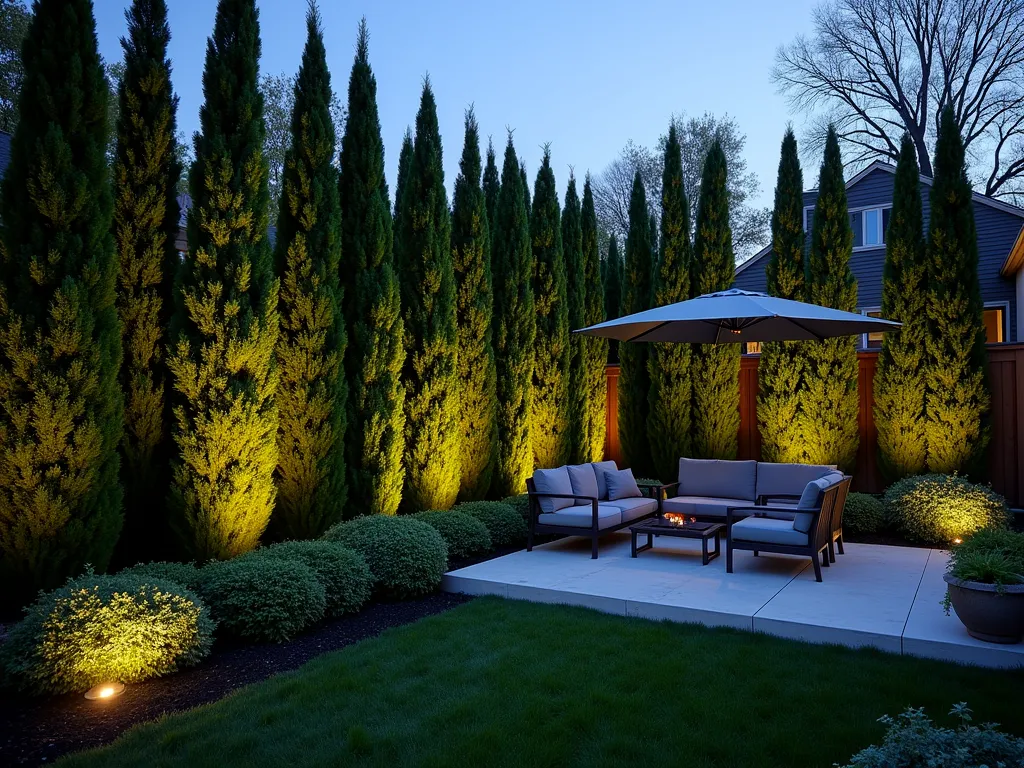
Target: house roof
5 152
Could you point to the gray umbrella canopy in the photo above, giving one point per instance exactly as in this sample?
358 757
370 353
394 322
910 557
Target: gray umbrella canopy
735 316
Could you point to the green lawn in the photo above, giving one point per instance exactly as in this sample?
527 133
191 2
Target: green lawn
499 682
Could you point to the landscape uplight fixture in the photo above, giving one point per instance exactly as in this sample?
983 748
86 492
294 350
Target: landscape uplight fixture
104 691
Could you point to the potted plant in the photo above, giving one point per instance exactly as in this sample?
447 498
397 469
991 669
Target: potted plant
986 585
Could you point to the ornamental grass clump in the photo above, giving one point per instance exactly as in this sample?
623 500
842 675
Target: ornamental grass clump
464 534
939 509
407 557
505 524
105 628
864 513
990 556
342 572
185 574
263 599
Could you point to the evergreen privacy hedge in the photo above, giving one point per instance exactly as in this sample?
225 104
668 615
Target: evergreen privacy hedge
936 509
464 534
101 628
864 513
342 572
506 525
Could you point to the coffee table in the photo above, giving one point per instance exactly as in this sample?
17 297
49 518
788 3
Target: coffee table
659 526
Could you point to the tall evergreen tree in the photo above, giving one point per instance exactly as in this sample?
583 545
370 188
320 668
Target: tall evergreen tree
146 173
515 330
669 420
715 367
827 422
956 387
60 347
613 291
225 324
428 309
780 369
595 350
376 353
312 394
404 166
550 415
577 448
492 185
524 181
899 387
634 379
471 250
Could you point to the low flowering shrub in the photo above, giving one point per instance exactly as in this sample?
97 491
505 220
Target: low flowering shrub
464 534
939 509
506 526
185 574
342 572
863 513
913 739
262 599
407 557
97 629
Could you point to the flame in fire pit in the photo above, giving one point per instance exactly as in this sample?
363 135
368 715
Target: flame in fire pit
677 519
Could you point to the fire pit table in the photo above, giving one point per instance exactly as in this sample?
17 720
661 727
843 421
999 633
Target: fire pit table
661 526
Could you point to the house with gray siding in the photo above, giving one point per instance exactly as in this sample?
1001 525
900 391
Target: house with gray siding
1000 251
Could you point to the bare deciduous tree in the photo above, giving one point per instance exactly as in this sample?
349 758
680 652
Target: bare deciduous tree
879 68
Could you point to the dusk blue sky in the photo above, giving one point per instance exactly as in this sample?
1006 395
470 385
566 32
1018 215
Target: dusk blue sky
584 76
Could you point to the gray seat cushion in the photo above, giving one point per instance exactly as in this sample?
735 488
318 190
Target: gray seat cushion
600 467
788 479
584 481
553 481
703 505
718 479
583 517
769 531
633 508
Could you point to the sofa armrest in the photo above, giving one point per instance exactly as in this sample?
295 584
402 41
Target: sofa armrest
658 487
665 488
764 498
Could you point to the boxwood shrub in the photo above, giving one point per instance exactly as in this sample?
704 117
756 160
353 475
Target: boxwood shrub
96 629
407 557
939 509
520 504
504 523
464 534
256 598
342 572
185 574
863 513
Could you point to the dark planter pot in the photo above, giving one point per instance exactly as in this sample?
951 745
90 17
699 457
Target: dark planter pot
990 613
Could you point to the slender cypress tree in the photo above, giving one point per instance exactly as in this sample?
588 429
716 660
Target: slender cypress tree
899 388
312 394
634 379
225 324
375 354
595 350
668 422
146 173
524 181
613 291
60 347
780 369
550 414
428 309
492 185
404 165
471 250
715 367
577 448
515 330
829 405
956 390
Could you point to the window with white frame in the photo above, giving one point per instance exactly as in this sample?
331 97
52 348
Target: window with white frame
869 227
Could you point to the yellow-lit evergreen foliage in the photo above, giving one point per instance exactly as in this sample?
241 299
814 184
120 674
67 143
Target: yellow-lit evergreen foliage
595 350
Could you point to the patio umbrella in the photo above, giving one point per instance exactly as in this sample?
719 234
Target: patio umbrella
735 316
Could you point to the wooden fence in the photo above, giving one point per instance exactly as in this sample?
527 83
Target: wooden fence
1006 451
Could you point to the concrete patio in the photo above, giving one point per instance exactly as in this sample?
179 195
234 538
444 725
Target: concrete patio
878 596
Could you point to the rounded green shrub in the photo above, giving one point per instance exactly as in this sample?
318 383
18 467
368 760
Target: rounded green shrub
185 574
262 599
520 504
939 509
407 557
863 513
504 523
97 629
342 572
464 534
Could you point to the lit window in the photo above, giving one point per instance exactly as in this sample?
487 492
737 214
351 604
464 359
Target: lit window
752 348
994 324
873 340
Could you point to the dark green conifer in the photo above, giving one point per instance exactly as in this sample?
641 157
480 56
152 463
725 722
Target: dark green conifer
524 181
471 250
576 289
515 331
404 165
671 393
225 324
715 367
146 173
595 350
828 428
956 390
492 185
312 393
61 408
375 353
780 369
613 291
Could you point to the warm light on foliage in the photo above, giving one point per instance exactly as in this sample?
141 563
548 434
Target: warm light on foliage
936 509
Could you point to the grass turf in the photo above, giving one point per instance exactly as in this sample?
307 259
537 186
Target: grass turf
500 682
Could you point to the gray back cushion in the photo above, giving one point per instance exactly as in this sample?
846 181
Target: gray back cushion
788 479
584 481
621 484
811 499
553 481
718 479
600 467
